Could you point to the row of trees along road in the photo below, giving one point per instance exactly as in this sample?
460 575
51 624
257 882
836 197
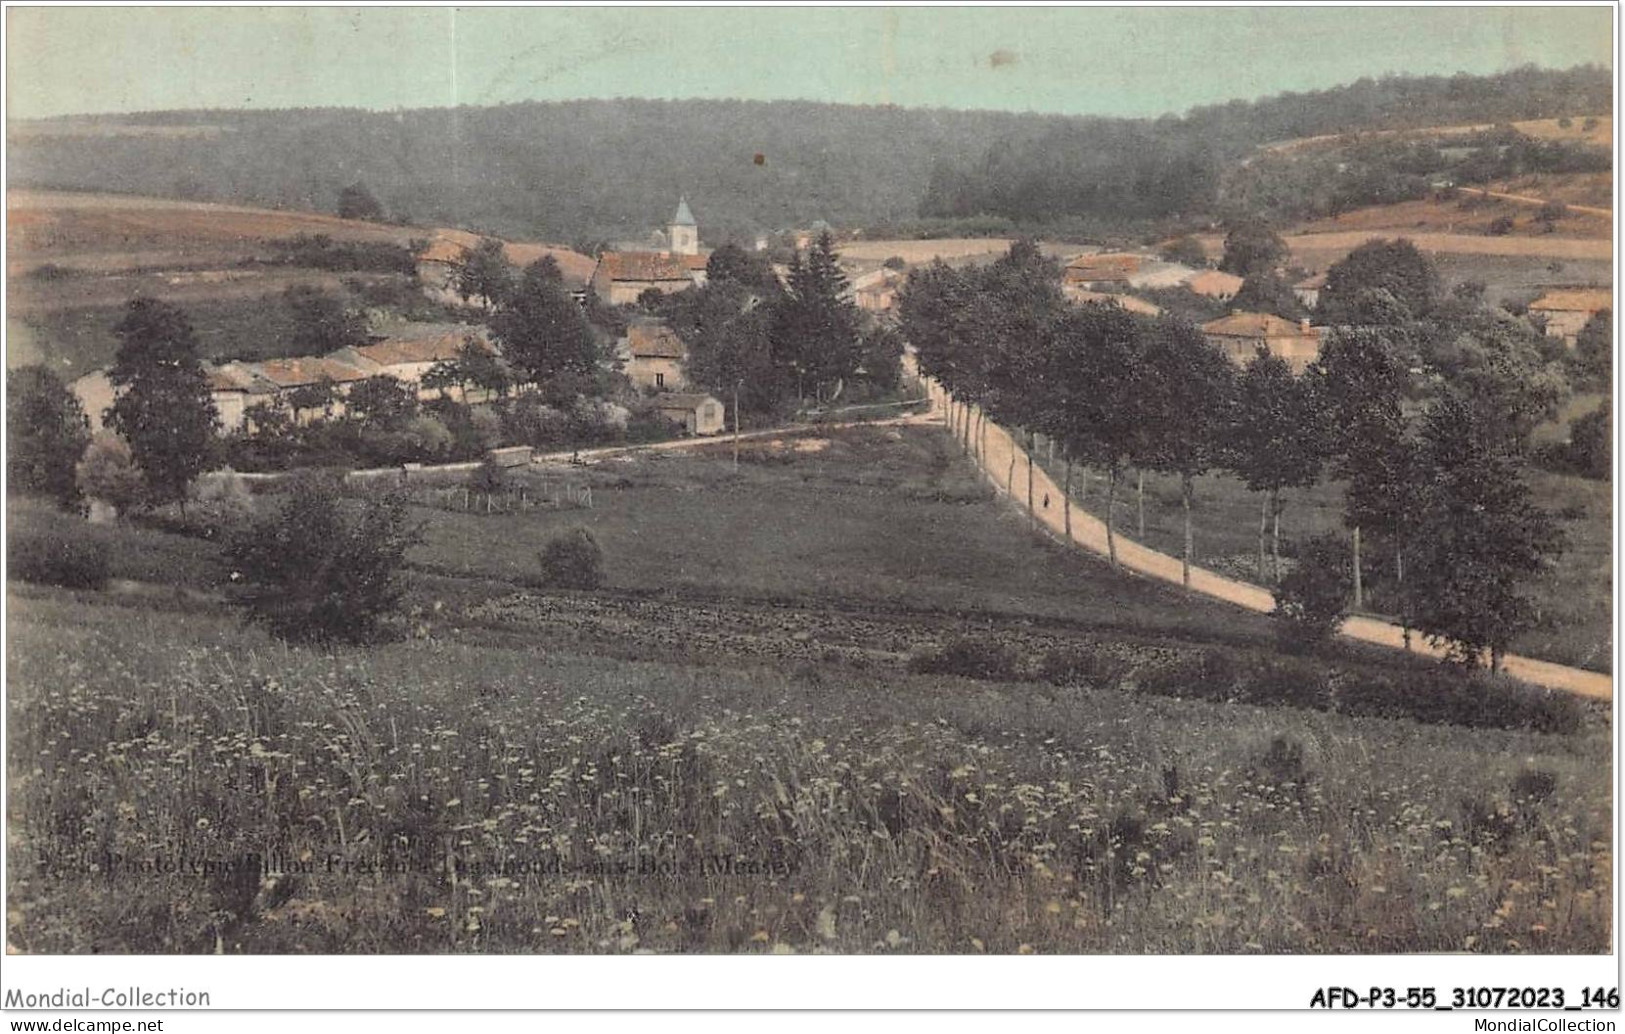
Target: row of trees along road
1422 410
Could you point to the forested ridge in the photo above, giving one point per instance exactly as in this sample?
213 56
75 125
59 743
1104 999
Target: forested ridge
587 171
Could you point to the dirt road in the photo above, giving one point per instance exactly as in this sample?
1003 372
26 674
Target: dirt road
1007 466
1526 199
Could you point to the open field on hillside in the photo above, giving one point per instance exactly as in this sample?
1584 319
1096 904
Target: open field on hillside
692 769
103 232
1575 597
431 797
1463 216
1601 134
1319 250
1593 189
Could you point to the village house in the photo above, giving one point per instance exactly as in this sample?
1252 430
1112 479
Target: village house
1241 334
1101 271
1308 289
286 375
437 264
412 350
622 276
1567 312
877 291
697 413
233 387
654 354
1214 284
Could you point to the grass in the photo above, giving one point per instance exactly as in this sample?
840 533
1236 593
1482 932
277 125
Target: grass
430 796
726 751
880 515
1574 598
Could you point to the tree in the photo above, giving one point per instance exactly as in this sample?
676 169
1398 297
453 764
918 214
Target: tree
381 400
1311 601
731 264
1361 383
1393 266
1551 213
544 333
1250 246
321 569
1502 366
1093 406
1276 440
319 396
1592 365
1188 385
162 405
1266 291
46 434
1187 251
322 322
357 202
108 474
1591 442
882 363
484 273
572 559
815 326
1480 535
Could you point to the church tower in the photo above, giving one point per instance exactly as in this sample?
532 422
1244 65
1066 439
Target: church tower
683 236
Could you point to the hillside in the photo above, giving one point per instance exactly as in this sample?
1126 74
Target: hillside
584 171
1138 773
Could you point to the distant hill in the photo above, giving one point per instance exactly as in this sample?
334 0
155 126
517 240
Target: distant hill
585 171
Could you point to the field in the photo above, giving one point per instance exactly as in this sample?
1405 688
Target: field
1469 215
1600 135
1574 597
731 748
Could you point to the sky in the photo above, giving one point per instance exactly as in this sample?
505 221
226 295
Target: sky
1068 60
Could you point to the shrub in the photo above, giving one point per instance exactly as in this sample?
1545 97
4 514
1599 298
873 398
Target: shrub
46 434
1211 675
1290 682
1500 226
1448 694
1081 666
107 473
57 557
572 560
968 657
1282 762
319 569
1313 598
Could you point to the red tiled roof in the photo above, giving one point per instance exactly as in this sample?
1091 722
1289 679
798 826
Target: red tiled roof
1255 325
431 343
1215 284
291 373
643 266
654 341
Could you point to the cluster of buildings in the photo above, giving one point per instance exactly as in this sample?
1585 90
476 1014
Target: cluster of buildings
405 353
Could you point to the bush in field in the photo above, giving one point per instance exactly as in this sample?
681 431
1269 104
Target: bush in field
64 557
1287 681
320 569
968 657
1081 666
1501 225
1210 675
1447 694
107 473
572 560
1312 600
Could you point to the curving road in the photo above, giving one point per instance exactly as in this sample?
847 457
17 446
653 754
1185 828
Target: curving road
1000 448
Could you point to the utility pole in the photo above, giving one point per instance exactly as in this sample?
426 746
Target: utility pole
736 425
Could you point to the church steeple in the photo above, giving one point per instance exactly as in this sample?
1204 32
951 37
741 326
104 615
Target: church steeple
684 233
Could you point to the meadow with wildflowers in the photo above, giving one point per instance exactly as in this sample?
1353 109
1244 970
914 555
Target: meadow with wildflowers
703 765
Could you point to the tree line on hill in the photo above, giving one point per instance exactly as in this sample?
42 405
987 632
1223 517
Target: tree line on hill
1422 405
579 171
